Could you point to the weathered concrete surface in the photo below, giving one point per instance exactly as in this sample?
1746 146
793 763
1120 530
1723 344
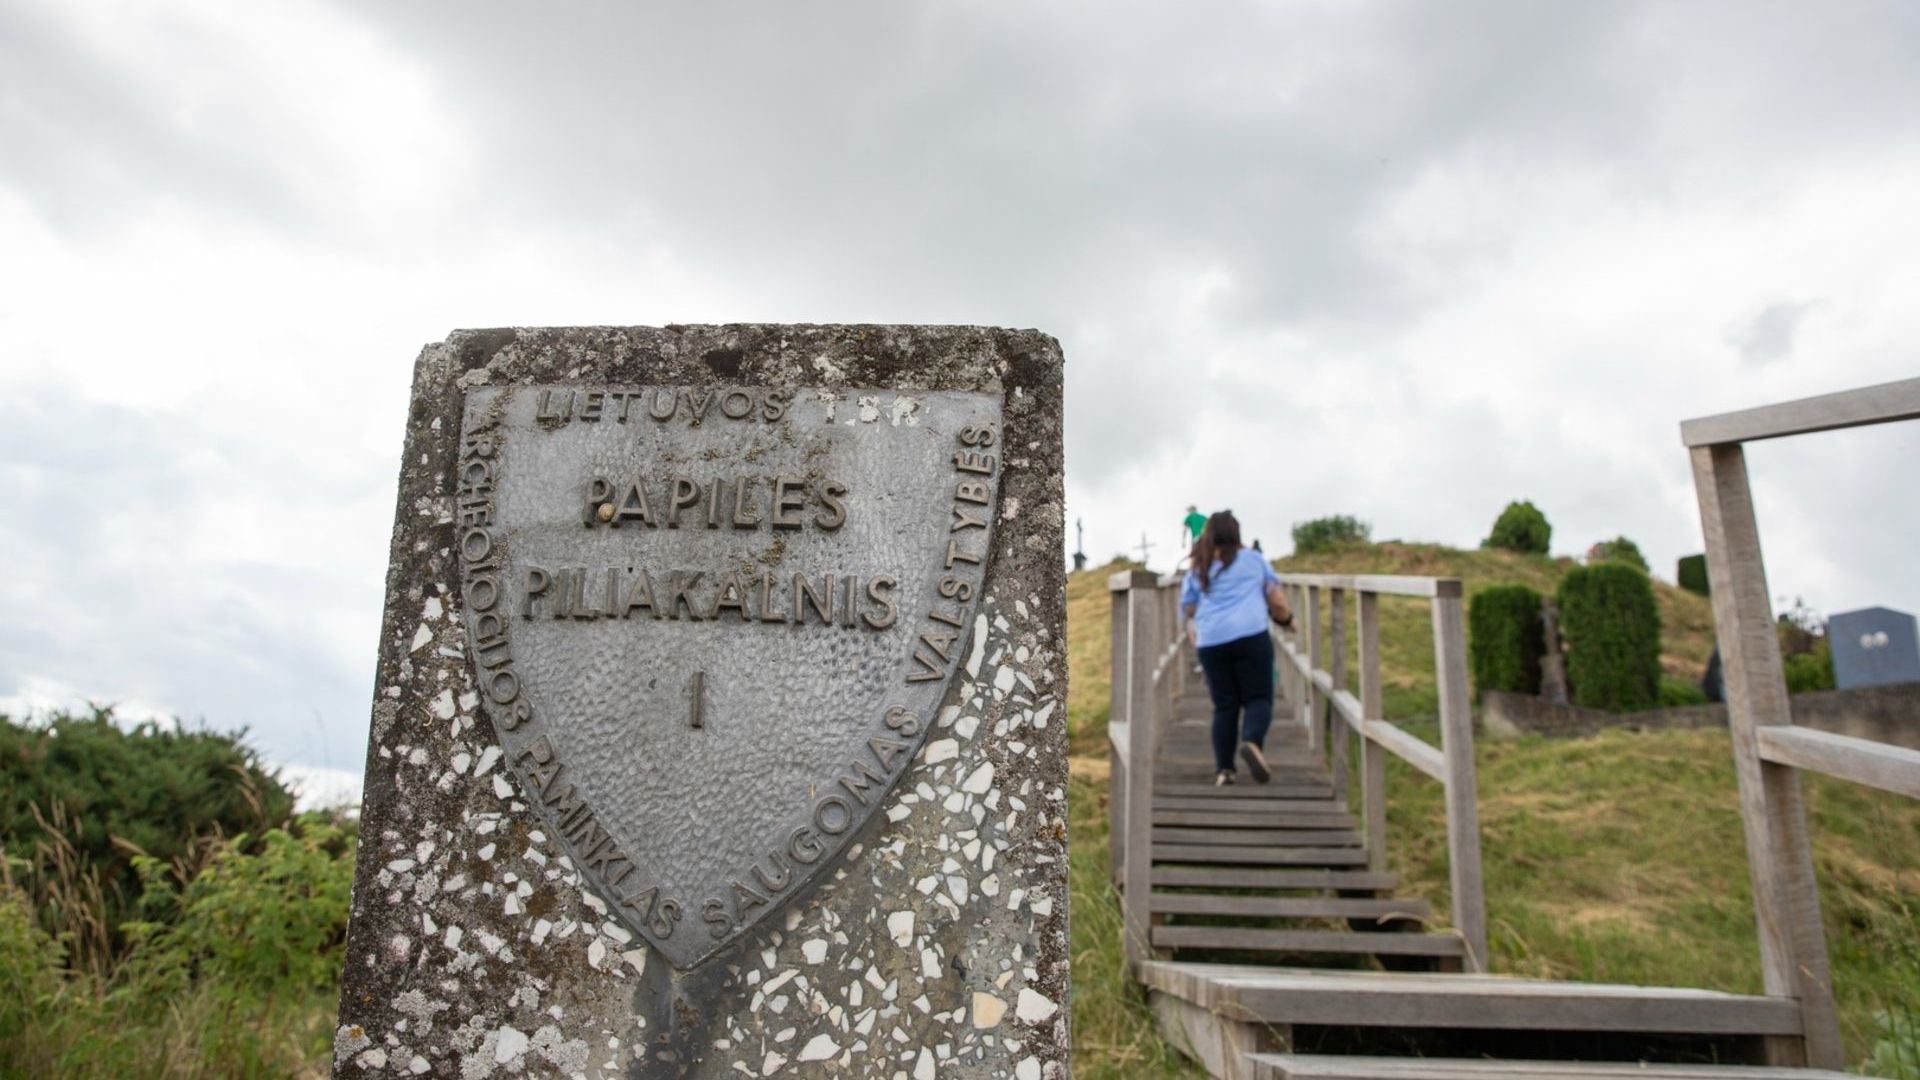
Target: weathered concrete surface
938 946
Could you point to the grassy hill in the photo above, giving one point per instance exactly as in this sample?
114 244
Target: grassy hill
1618 858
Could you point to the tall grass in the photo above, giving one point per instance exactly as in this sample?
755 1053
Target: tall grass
1114 1034
239 980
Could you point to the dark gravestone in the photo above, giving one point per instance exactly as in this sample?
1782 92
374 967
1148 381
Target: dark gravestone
718 725
1874 646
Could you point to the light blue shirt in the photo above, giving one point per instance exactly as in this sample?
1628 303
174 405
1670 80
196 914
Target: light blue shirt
1234 604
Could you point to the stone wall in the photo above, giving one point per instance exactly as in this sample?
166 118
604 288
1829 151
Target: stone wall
1888 714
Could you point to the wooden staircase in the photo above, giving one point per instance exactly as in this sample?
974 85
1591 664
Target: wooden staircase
1271 942
1278 870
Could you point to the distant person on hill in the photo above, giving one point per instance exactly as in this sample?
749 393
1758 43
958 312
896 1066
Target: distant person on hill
1225 595
1195 523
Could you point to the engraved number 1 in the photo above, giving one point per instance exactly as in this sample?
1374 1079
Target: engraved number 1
698 689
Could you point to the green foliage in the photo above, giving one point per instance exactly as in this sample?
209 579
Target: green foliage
239 981
1521 527
1896 1048
1678 693
1505 639
1810 670
161 913
1619 549
1691 574
1114 1034
1612 629
1329 533
252 922
33 967
81 797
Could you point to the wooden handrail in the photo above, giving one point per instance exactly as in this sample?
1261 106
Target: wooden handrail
1883 404
1863 761
1385 584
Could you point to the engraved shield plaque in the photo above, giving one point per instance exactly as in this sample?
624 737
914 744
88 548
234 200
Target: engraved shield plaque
712 626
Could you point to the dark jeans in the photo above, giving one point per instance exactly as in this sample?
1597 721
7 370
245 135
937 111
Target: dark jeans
1240 679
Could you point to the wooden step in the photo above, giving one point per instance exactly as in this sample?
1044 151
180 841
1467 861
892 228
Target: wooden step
1254 819
1302 907
1277 760
1319 793
1304 942
1230 854
1332 1067
1235 798
1408 1000
1246 789
1225 877
1257 837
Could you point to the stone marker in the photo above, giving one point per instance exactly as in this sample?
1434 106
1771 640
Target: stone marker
719 727
1874 646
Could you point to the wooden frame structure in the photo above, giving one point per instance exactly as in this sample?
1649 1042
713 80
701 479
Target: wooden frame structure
1768 749
1148 675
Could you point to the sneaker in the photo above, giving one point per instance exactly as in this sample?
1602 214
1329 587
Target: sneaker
1256 762
1223 779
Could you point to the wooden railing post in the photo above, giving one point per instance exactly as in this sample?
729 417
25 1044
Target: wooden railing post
1316 703
1456 745
1116 719
1139 693
1302 708
1373 759
1793 946
1338 733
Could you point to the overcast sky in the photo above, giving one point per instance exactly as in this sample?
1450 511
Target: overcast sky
1401 260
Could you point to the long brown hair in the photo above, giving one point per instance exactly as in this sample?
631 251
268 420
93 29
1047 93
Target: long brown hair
1219 540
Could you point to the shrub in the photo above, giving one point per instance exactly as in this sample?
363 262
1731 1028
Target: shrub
1619 549
1612 628
1677 693
80 796
1505 639
1810 670
1521 527
238 980
256 918
1692 574
1328 533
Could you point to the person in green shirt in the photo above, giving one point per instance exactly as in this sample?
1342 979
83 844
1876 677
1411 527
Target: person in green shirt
1195 521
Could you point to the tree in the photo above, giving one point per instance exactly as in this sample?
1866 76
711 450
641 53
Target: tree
1521 527
1621 550
1328 533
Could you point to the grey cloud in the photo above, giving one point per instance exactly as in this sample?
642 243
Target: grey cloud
89 148
1770 334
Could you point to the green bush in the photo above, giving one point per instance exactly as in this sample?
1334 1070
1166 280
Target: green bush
240 978
1521 527
1619 549
1677 693
81 796
1810 670
1328 533
1612 630
1505 639
1692 574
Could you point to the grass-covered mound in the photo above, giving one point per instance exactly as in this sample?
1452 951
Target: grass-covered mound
1619 858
